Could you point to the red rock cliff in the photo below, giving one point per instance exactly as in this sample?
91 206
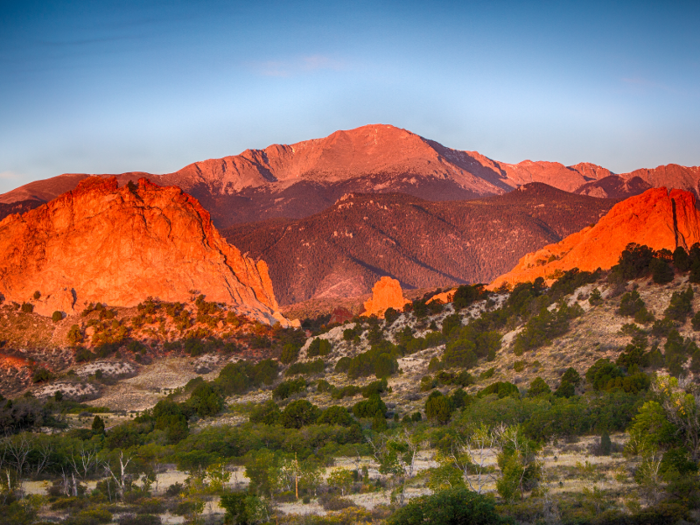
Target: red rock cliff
657 218
121 245
386 293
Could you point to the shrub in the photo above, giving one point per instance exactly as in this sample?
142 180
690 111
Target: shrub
336 415
460 354
41 375
448 507
299 413
290 353
681 305
539 387
601 373
369 408
662 327
267 413
27 308
287 388
57 316
502 388
316 366
595 298
630 304
661 271
438 408
319 347
634 261
681 261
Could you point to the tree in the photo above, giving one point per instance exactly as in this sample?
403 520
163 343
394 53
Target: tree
630 304
539 387
299 413
517 460
681 305
397 457
267 413
98 425
438 408
290 353
661 271
457 506
460 354
342 479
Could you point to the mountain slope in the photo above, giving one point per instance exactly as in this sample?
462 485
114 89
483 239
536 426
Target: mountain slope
657 218
100 243
344 250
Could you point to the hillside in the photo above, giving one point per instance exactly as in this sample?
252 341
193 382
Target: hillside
299 180
344 250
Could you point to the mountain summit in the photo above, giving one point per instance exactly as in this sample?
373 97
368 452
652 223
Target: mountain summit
298 180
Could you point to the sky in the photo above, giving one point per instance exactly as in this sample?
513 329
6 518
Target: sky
116 86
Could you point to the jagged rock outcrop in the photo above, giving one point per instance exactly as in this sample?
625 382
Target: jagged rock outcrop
101 243
386 293
656 218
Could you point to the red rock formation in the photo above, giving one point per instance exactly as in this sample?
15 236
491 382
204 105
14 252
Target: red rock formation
101 243
657 218
340 315
386 293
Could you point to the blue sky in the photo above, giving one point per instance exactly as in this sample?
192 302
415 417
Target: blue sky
108 87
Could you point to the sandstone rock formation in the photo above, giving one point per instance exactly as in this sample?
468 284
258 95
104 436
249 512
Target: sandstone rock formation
298 180
101 243
657 218
386 294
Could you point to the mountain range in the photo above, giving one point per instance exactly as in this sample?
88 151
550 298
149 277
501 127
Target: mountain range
299 180
343 250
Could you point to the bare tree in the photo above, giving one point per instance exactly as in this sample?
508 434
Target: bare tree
121 478
397 456
17 448
474 457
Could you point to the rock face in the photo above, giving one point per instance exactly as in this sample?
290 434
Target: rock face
101 243
386 294
298 180
657 218
344 250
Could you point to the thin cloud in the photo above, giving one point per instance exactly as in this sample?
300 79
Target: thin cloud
9 175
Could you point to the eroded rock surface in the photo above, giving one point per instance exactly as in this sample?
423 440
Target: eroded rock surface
656 218
101 243
386 294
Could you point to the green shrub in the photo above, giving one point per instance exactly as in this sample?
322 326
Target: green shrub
288 388
267 413
601 373
27 308
449 507
460 354
661 271
502 388
630 304
539 387
369 408
316 366
299 413
439 408
290 353
681 305
336 415
319 347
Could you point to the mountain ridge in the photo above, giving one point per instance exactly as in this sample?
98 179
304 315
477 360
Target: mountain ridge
298 180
